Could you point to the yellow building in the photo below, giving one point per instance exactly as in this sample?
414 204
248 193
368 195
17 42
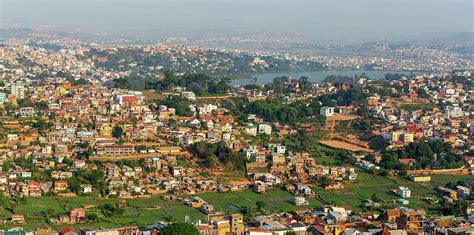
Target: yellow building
127 126
333 229
396 135
228 224
408 138
223 226
106 131
62 90
420 179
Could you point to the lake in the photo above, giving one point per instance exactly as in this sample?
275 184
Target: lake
315 76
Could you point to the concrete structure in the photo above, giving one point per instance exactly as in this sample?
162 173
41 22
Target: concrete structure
264 129
3 96
326 111
403 191
18 90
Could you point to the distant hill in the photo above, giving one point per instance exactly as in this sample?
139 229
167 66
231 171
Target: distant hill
464 39
6 33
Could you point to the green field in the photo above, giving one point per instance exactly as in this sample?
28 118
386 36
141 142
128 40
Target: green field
367 184
147 211
417 106
139 212
276 199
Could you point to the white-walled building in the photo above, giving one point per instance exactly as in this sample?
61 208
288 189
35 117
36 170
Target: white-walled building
403 191
326 111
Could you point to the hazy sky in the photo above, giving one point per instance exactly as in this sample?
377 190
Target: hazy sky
342 20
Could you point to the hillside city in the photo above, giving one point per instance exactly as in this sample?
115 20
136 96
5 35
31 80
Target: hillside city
157 139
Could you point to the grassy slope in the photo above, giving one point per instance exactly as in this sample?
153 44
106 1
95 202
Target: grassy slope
367 185
148 211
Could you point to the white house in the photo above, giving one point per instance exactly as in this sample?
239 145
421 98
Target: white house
86 188
264 129
300 201
251 129
326 111
403 191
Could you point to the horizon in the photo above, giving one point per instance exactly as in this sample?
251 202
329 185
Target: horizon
335 21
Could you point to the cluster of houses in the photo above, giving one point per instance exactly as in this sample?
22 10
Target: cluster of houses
317 221
444 112
67 129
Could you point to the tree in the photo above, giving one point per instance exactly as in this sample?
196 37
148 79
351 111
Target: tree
260 205
117 132
304 82
370 157
7 165
375 198
324 181
91 216
110 209
455 208
179 229
52 116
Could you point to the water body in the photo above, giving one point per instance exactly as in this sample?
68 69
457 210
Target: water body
315 76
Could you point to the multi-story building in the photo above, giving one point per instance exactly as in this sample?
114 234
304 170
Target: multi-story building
3 96
326 111
264 129
403 191
411 220
18 90
116 150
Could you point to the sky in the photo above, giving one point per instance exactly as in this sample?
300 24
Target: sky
338 20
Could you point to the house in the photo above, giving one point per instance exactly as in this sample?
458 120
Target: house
391 214
79 163
411 220
259 231
323 229
420 179
403 201
463 191
251 129
277 148
68 231
351 231
300 201
447 192
259 187
407 161
326 111
176 170
207 208
27 112
18 219
403 191
26 174
226 223
34 189
60 186
461 231
86 188
116 150
76 214
264 129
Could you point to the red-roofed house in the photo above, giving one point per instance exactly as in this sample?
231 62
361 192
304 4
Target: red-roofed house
34 189
129 101
68 231
407 161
